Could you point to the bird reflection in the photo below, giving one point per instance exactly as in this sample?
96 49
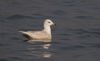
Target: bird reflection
38 49
44 44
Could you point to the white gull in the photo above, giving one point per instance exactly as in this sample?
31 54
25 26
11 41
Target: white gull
44 35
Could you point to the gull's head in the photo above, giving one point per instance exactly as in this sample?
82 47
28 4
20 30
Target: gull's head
47 26
48 22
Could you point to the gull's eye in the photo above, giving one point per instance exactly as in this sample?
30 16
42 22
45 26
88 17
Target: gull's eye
48 22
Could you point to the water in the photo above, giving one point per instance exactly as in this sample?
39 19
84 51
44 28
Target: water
76 36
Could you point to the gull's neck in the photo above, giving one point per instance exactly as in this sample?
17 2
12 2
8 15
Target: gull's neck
47 29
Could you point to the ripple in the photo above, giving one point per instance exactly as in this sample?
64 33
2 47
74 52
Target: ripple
15 38
4 60
70 3
72 47
85 32
3 21
64 34
96 45
18 17
15 58
3 45
39 16
59 12
85 17
4 34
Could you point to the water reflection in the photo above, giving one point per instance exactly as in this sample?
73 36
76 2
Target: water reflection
45 44
38 49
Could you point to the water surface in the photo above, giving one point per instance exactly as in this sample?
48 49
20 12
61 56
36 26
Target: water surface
76 36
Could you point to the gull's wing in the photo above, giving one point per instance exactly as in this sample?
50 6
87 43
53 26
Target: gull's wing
40 35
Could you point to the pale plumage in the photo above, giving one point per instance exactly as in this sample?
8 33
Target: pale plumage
44 34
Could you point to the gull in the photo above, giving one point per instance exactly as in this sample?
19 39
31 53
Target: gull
43 35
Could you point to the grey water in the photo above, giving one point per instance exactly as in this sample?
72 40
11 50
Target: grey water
76 36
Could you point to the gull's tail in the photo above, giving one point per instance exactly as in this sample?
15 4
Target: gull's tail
22 32
26 34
